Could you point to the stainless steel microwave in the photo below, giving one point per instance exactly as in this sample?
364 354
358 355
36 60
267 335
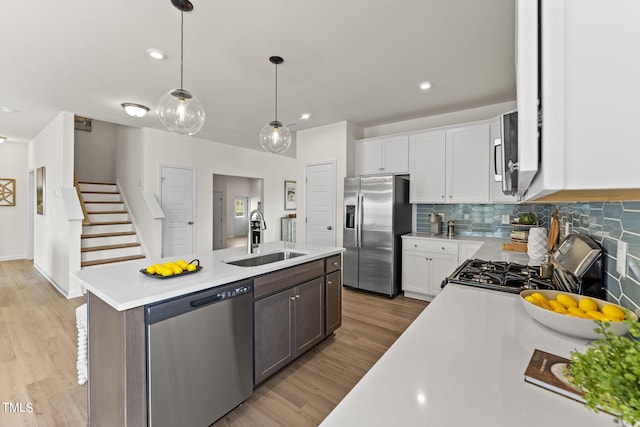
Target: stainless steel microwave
509 150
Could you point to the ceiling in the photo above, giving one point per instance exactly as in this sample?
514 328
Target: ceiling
355 60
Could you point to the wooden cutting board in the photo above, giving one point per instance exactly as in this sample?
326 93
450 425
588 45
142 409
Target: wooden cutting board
553 230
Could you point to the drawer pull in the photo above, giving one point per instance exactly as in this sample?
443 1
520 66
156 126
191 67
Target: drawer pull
329 282
335 263
293 298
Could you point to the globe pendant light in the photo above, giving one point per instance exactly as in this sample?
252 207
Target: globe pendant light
275 137
178 110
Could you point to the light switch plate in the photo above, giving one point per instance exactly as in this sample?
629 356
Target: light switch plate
621 258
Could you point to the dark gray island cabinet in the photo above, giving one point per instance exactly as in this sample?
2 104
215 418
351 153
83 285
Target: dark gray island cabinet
294 309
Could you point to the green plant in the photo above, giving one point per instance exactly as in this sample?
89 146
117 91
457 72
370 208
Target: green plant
608 373
528 218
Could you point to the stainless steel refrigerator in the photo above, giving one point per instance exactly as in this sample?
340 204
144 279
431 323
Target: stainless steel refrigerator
376 213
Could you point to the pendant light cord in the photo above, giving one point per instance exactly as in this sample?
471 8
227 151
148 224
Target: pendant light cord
181 48
276 93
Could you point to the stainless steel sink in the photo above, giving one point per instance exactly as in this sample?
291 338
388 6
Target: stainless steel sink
264 259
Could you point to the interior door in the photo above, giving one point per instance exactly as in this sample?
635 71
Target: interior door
218 220
177 192
320 203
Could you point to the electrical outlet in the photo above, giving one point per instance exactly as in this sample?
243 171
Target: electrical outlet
621 258
506 219
441 215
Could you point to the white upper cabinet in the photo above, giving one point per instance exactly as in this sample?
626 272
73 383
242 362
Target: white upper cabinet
589 97
382 155
450 165
497 166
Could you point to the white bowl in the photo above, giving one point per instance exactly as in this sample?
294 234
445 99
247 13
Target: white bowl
569 325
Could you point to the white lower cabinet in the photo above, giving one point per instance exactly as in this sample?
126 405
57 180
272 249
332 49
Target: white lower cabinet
425 264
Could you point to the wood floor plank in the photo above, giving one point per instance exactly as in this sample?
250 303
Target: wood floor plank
38 357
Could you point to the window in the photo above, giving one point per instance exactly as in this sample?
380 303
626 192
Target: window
241 208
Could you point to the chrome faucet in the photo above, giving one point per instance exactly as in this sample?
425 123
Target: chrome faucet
250 245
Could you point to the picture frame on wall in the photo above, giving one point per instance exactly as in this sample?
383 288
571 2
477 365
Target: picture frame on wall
40 189
290 198
7 192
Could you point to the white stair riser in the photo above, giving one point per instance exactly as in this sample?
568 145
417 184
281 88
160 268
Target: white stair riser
98 187
101 197
108 217
99 229
110 253
111 240
115 206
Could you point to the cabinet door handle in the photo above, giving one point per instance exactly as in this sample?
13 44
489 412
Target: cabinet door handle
335 263
293 298
297 296
329 282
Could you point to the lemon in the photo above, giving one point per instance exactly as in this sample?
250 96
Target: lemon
176 269
191 267
166 271
587 305
613 312
567 301
151 269
596 315
182 264
557 307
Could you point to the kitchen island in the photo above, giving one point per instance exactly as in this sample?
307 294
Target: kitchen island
293 304
461 363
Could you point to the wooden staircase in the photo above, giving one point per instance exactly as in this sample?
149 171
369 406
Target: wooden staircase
108 235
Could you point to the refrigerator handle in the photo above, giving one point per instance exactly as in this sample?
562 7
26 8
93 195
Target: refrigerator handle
359 221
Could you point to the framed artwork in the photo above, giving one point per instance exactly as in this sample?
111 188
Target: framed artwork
40 189
290 195
82 123
7 192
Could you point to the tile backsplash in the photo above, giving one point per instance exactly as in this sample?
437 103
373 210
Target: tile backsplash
607 223
479 220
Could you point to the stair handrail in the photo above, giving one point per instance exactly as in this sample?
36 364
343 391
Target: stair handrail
85 221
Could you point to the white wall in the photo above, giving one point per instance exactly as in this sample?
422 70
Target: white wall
463 116
95 153
13 219
325 143
145 150
57 240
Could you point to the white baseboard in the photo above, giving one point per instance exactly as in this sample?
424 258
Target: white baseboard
13 257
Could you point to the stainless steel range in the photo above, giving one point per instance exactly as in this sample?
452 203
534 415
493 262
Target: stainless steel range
577 269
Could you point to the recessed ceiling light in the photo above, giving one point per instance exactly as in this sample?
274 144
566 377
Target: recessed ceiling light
135 110
156 54
425 85
305 116
2 139
8 110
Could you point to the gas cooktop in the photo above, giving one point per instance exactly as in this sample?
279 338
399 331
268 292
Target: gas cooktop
499 275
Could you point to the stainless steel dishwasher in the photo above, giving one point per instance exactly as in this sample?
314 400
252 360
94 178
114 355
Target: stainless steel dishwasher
199 355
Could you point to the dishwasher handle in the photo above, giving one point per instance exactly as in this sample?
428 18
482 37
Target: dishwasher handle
206 301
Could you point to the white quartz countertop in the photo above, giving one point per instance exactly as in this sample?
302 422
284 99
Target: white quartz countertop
124 286
491 249
461 363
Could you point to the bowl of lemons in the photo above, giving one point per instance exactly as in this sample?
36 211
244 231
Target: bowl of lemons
574 314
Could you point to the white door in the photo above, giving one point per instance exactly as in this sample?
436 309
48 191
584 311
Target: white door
218 221
240 212
177 192
320 203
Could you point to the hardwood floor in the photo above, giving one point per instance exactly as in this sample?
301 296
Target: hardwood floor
38 358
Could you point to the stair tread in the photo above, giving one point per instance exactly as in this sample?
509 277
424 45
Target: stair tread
109 223
96 183
104 201
106 212
107 247
111 260
99 192
115 234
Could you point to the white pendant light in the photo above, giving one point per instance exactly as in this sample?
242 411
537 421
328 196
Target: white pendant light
274 136
178 110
